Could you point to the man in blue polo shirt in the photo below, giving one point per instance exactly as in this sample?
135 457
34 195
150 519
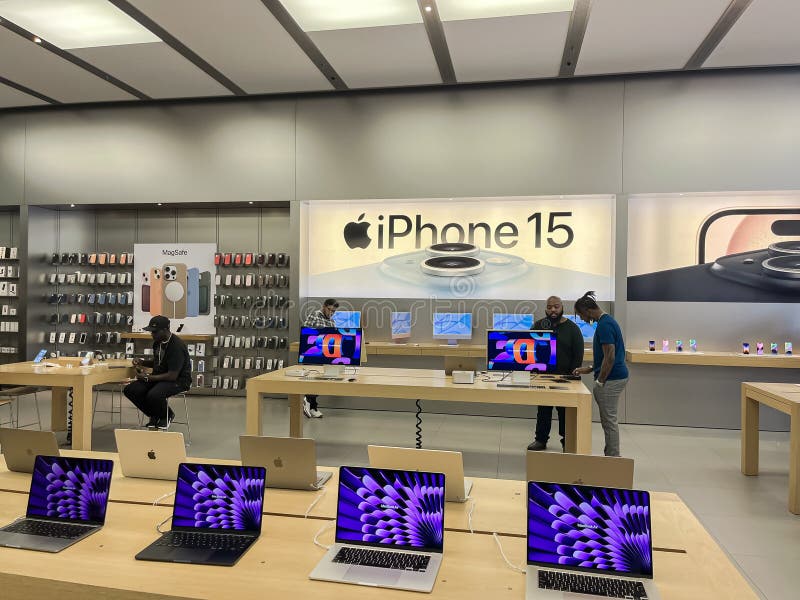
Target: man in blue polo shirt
610 371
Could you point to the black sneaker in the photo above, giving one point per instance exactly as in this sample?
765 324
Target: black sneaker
563 447
164 423
151 424
171 415
537 446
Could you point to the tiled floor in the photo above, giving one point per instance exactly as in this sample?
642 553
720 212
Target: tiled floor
747 515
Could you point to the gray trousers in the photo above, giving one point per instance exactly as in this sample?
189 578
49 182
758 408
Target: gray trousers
607 398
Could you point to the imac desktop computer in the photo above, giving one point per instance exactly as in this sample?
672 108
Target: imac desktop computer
401 327
452 327
521 353
348 319
332 347
512 322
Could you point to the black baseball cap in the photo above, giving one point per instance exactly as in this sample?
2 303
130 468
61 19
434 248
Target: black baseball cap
157 323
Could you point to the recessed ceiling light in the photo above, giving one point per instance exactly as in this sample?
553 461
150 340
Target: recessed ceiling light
324 15
77 23
159 203
250 202
38 40
459 10
428 9
72 206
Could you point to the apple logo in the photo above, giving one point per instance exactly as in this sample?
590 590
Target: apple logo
355 233
151 455
278 462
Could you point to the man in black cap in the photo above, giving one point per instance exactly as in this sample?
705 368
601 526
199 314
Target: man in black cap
171 374
318 319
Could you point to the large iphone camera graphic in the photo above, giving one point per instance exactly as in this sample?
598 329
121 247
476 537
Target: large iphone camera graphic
743 255
174 286
443 265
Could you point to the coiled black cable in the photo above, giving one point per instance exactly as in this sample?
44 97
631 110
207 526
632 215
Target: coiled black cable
418 435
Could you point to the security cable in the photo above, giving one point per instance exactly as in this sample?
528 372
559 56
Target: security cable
320 532
503 554
319 497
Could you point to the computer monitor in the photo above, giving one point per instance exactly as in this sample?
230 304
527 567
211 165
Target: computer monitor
587 329
401 325
330 346
521 351
512 322
347 318
452 326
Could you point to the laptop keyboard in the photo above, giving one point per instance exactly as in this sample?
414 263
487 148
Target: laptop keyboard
64 531
403 561
205 541
588 584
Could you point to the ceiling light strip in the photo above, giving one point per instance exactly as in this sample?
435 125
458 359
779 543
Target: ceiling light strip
720 29
78 62
29 91
305 43
578 21
179 47
433 26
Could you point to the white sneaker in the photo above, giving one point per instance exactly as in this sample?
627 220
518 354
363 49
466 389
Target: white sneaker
307 408
315 413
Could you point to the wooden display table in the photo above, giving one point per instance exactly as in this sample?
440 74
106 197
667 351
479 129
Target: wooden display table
80 379
422 384
713 359
784 397
280 561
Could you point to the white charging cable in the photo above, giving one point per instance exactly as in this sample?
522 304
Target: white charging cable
320 532
471 510
503 554
155 503
319 497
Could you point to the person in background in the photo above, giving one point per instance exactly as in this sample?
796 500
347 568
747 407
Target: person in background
569 356
610 371
318 319
171 374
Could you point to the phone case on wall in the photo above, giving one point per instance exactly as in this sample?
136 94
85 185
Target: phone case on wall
156 285
174 282
237 259
248 259
112 259
102 258
227 259
217 258
193 292
205 293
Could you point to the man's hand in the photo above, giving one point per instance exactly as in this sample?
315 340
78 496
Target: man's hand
136 362
582 371
143 376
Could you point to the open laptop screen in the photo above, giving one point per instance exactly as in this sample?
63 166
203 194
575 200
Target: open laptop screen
589 528
70 489
389 508
219 497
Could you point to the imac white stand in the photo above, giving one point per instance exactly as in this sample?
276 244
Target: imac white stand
333 371
520 378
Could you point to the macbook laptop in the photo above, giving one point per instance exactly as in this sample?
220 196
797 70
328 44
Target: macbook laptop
22 446
389 529
291 462
436 461
216 516
582 469
150 454
585 542
67 502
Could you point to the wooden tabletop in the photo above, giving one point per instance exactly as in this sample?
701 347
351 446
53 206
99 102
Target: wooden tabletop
714 359
790 392
278 564
28 373
374 382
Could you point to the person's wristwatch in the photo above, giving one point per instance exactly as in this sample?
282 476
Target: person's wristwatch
599 383
147 376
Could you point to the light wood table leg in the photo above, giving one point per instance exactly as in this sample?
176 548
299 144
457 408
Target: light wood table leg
583 425
295 415
571 429
749 435
58 409
82 416
794 461
253 425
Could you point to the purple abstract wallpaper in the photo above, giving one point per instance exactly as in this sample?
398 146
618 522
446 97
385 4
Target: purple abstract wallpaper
587 527
392 508
219 497
70 488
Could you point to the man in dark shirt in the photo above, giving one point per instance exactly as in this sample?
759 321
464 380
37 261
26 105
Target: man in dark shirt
171 374
569 356
318 319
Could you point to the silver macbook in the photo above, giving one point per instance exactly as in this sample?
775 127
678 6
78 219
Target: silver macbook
389 529
291 463
66 503
588 541
583 469
21 447
435 461
150 454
